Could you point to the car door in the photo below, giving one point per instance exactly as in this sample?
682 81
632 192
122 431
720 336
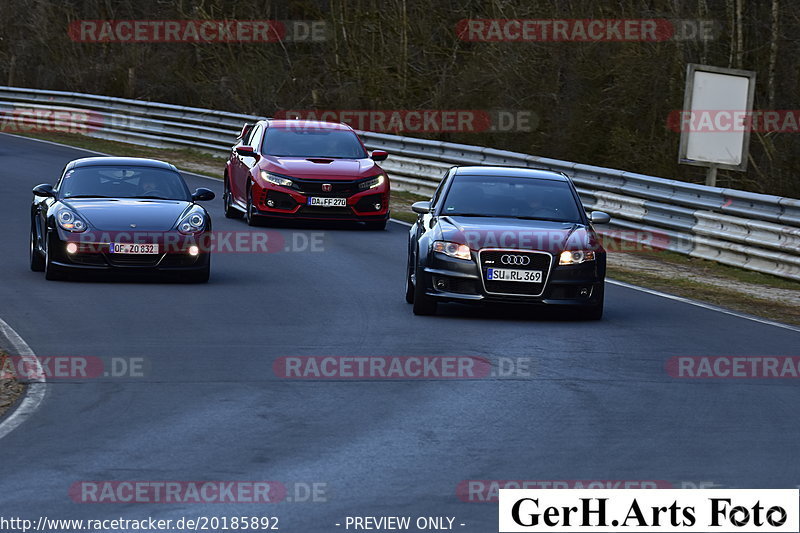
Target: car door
241 165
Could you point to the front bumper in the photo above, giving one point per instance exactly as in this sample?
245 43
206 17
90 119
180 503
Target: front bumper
273 201
456 280
174 255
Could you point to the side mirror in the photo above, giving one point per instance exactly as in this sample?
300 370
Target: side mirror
203 195
598 217
379 155
246 151
45 189
421 208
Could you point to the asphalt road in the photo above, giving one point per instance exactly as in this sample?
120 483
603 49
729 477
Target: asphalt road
598 405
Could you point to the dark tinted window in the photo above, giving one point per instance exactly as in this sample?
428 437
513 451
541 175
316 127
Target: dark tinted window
511 197
313 142
123 182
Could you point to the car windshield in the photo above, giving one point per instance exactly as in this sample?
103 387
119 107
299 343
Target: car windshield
513 197
123 182
313 142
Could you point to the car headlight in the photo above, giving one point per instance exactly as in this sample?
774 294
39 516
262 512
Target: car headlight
377 181
452 249
575 257
194 222
69 221
276 179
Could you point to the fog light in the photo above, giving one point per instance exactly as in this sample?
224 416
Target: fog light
72 248
377 207
584 292
441 284
271 203
194 250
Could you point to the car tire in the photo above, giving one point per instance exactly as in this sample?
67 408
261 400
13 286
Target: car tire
37 261
227 200
252 220
594 311
423 304
51 272
376 226
409 283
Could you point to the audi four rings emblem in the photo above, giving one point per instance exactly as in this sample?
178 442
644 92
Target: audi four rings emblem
515 259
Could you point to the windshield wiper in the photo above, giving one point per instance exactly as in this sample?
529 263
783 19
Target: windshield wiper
149 198
86 196
469 215
544 218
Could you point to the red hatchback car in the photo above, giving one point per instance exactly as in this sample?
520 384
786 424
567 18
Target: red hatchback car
293 169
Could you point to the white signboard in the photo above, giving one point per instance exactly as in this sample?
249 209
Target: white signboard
714 122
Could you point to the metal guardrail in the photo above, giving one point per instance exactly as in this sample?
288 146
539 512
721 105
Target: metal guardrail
754 231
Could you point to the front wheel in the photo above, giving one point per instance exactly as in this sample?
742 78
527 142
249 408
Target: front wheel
51 271
594 311
423 304
227 199
409 283
249 215
37 261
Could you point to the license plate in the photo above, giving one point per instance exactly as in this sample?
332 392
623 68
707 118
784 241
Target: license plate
133 248
508 274
327 202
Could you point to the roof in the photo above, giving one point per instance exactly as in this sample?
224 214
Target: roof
121 161
320 124
511 172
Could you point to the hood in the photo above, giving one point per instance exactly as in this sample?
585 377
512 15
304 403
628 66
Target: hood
320 168
117 214
484 232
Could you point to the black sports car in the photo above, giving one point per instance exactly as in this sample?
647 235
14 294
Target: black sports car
119 214
505 234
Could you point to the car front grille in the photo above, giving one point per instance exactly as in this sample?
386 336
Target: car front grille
339 189
143 260
535 261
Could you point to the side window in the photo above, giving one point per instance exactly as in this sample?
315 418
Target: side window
438 193
255 136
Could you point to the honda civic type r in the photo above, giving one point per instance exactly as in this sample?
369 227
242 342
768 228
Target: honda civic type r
119 214
311 170
505 234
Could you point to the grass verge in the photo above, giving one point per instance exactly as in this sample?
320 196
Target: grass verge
10 388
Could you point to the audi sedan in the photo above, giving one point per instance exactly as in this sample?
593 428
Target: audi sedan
506 235
307 170
120 214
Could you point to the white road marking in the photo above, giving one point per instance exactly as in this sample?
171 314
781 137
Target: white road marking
36 390
705 305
